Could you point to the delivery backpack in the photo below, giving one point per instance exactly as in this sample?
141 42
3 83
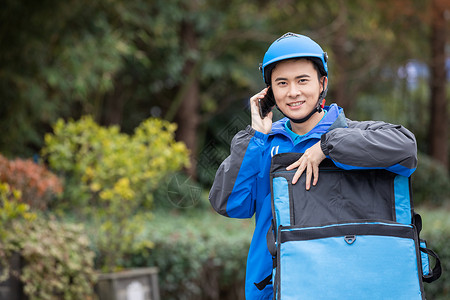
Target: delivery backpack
354 235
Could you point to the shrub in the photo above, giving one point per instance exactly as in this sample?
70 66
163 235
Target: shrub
38 186
115 236
199 254
56 257
113 175
430 182
57 261
10 210
180 192
436 230
101 163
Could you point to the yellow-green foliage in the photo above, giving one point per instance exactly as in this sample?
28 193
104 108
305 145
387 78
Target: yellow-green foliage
57 261
102 163
112 176
11 208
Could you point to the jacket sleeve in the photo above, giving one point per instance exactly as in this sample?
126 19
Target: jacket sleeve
372 144
234 189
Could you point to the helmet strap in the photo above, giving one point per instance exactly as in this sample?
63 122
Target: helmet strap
318 108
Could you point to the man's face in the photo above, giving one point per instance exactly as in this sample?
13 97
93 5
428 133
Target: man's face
296 87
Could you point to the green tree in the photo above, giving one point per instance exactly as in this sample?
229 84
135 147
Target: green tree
438 132
188 61
58 59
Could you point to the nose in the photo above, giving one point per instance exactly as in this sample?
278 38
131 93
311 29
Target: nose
293 91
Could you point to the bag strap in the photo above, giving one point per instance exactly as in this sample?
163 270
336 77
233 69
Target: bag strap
272 247
417 222
270 238
265 282
437 270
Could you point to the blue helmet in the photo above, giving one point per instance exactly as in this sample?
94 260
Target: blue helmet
292 45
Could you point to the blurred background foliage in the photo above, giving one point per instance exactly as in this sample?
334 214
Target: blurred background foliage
124 88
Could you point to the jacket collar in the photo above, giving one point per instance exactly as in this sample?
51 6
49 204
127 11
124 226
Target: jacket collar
335 118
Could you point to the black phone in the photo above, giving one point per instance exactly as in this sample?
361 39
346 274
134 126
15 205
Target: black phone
266 104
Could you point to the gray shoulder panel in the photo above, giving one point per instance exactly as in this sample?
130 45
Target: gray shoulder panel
371 144
228 171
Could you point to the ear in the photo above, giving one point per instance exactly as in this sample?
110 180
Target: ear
323 83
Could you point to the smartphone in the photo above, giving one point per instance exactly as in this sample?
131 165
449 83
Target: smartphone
266 104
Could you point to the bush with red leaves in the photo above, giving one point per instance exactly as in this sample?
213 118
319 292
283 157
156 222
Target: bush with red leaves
38 186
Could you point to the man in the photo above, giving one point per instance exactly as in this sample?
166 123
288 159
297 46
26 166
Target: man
296 72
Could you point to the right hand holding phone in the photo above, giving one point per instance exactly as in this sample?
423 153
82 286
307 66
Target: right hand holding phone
263 125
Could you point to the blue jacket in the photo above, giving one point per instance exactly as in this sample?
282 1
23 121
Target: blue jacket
241 187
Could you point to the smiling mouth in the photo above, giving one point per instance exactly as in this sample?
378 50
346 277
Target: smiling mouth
296 104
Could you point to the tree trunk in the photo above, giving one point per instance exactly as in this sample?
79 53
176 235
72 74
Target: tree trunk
187 115
340 62
113 106
438 129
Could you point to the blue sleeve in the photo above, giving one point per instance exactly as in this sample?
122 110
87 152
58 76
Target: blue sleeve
234 189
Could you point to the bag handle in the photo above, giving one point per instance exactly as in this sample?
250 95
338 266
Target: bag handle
437 270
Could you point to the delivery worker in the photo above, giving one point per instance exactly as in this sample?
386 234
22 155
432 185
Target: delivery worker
295 71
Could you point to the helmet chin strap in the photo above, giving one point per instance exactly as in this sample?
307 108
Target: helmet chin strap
317 108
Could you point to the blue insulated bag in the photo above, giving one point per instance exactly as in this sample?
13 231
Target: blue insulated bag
352 236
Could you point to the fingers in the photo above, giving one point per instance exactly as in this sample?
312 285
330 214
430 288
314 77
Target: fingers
254 100
308 177
294 165
301 167
312 172
309 161
263 125
316 174
298 173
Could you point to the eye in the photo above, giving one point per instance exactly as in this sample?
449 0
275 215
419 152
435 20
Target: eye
302 80
282 83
